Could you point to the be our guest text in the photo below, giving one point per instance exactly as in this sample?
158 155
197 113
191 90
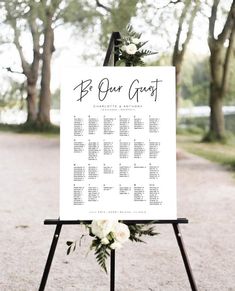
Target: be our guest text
105 89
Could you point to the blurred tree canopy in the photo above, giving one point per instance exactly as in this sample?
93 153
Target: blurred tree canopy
39 19
13 98
118 15
169 23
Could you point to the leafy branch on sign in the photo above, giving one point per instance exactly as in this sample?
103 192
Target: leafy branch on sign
109 235
130 49
138 230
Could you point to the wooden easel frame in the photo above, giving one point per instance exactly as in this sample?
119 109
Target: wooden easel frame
110 56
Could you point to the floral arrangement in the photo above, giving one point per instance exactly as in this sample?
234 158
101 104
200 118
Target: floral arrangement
131 49
110 235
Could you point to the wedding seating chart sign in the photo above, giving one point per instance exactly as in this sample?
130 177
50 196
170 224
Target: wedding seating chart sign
118 143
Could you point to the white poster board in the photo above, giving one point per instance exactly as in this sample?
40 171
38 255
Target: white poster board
118 143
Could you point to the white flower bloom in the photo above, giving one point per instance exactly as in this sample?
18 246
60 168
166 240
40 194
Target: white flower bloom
104 241
123 48
135 40
131 49
115 245
121 232
101 228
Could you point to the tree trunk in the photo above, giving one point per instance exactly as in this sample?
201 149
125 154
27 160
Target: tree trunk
180 47
178 66
217 128
31 102
45 93
219 66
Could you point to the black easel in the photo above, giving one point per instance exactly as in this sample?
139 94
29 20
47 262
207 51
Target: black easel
112 56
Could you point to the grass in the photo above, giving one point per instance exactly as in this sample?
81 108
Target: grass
47 130
203 122
223 154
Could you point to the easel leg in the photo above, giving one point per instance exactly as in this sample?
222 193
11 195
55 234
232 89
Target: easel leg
50 257
184 256
112 270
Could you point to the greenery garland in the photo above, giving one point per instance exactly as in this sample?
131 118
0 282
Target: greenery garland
109 235
131 49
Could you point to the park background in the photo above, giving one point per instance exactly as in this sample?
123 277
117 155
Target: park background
40 38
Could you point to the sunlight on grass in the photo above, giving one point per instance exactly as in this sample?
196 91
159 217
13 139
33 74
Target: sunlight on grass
216 152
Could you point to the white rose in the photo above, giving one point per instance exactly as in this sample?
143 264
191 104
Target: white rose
123 48
115 245
105 241
101 228
135 40
131 49
121 232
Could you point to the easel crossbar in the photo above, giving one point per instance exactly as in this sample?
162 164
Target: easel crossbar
128 222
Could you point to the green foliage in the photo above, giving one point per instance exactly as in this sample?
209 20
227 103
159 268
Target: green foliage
55 99
211 137
201 125
117 19
9 127
229 96
194 122
102 251
13 96
221 153
27 19
138 230
195 79
134 58
82 14
71 246
192 129
31 127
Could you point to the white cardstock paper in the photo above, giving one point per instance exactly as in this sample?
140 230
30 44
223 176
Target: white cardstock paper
118 143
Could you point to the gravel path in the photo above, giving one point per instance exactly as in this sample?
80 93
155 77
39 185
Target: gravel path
29 193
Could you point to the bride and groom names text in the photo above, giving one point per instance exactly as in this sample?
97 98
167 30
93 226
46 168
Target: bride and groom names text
105 89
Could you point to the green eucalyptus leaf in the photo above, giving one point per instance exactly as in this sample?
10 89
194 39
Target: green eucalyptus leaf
68 250
120 63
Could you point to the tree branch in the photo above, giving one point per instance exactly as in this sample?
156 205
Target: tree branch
212 20
170 2
34 30
228 56
13 23
103 6
25 64
12 71
228 24
179 31
190 26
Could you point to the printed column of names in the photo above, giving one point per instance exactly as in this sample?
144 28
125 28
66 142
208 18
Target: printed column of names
136 157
